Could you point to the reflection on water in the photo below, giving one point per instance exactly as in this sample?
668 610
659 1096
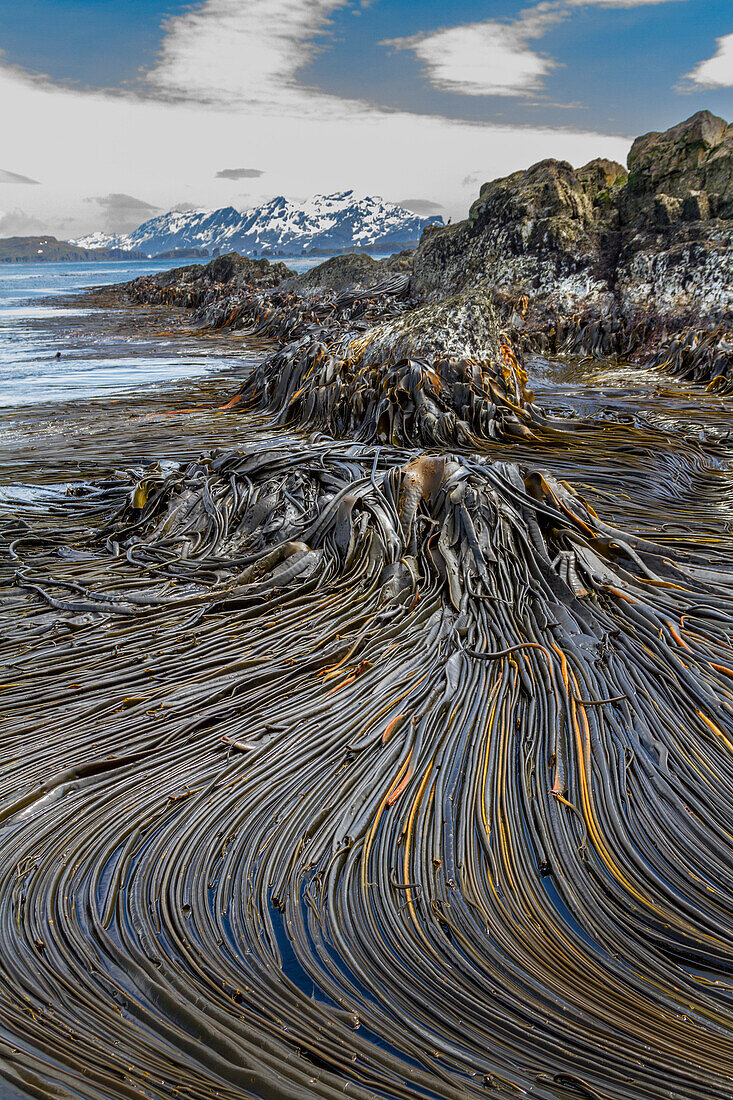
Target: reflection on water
623 392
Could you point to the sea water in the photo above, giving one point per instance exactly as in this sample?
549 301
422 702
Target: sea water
53 348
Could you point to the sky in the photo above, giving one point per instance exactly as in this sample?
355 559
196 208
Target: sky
112 111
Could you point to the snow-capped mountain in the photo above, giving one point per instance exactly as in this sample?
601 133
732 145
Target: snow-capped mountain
337 223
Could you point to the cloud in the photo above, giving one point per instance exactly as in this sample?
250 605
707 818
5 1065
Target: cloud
421 206
16 223
163 146
480 59
239 173
492 58
13 177
123 213
236 52
717 71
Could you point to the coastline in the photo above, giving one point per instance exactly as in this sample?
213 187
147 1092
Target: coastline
368 704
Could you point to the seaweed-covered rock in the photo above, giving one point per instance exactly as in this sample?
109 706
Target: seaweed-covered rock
438 375
594 261
197 284
353 271
287 316
462 326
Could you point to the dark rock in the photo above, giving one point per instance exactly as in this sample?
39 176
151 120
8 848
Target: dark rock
534 232
667 211
183 254
682 159
599 178
568 249
696 207
354 271
196 285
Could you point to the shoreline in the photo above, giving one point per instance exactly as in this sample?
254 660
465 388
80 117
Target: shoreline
379 741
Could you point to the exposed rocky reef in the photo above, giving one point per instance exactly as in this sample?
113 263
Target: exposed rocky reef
354 271
604 260
381 764
436 375
366 362
197 285
597 260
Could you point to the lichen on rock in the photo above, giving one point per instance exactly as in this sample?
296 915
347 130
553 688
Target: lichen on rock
596 261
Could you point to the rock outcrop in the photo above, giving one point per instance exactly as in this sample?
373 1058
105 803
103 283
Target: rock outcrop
598 259
354 271
595 260
546 230
196 285
676 212
438 375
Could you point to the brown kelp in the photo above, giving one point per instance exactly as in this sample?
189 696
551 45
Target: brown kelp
286 315
437 375
700 357
198 285
338 770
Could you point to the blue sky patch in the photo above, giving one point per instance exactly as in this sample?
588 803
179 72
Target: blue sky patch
617 69
88 43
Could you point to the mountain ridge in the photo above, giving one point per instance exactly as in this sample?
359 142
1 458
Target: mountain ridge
324 223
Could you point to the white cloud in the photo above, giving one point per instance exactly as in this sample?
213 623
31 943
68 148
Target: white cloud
480 59
92 143
717 71
424 207
491 58
235 52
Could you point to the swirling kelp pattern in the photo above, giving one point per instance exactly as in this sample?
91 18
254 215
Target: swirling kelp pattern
334 770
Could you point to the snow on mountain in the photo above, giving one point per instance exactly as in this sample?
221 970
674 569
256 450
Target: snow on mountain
338 222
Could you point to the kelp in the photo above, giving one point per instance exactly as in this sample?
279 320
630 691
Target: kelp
264 309
697 356
347 770
439 375
378 763
199 285
679 345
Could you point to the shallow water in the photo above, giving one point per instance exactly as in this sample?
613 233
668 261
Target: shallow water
53 348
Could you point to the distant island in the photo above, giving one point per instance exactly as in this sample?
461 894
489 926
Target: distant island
184 254
19 250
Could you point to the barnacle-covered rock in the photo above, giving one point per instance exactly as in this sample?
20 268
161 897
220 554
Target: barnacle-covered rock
593 261
439 374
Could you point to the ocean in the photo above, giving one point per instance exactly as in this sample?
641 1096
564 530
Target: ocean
52 349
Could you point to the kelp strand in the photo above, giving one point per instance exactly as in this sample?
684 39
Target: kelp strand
338 770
